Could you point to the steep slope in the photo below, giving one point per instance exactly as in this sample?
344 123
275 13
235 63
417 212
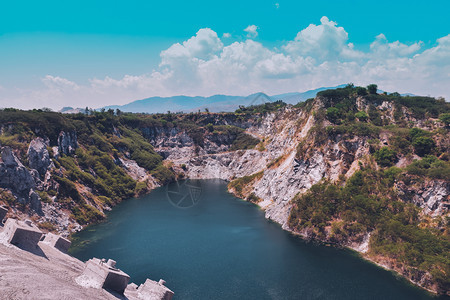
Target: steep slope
348 168
360 170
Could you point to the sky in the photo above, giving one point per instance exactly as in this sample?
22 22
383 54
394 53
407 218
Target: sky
96 53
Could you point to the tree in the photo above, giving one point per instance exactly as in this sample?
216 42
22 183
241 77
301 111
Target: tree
372 88
360 91
423 145
332 114
445 118
385 157
362 116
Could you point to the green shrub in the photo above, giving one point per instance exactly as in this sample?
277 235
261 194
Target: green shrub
430 166
372 88
244 141
360 91
239 183
333 114
163 174
67 189
362 116
445 118
253 198
385 157
423 145
141 188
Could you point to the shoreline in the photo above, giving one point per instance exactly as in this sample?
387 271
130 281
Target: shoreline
360 253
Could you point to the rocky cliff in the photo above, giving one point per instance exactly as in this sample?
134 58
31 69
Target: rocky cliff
325 142
349 168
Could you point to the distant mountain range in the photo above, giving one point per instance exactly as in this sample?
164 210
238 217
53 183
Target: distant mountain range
216 103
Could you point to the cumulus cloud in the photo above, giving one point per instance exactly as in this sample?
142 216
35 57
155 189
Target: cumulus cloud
252 31
323 42
201 46
226 35
383 49
319 55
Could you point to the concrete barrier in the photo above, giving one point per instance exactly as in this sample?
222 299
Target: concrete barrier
106 275
23 234
154 290
57 242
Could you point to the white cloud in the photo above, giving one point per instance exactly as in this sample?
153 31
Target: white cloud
323 42
383 49
226 35
277 5
320 55
252 31
58 83
202 46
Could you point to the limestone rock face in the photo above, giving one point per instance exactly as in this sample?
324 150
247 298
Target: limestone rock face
16 177
13 174
433 196
174 143
67 142
38 156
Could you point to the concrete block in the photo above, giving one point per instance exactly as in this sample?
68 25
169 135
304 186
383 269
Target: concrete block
22 234
104 274
154 290
57 242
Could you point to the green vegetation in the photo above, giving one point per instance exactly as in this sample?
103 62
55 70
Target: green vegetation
385 157
244 141
422 143
362 116
431 167
253 198
7 197
367 203
240 183
372 89
47 226
262 108
420 107
445 118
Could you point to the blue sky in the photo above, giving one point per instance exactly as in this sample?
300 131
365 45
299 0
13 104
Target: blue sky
77 53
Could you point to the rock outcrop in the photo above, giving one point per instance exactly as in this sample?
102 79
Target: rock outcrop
16 177
67 142
431 195
38 156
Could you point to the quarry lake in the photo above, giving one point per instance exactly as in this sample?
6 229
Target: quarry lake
224 248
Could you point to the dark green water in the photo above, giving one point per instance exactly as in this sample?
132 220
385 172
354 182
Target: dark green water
224 248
